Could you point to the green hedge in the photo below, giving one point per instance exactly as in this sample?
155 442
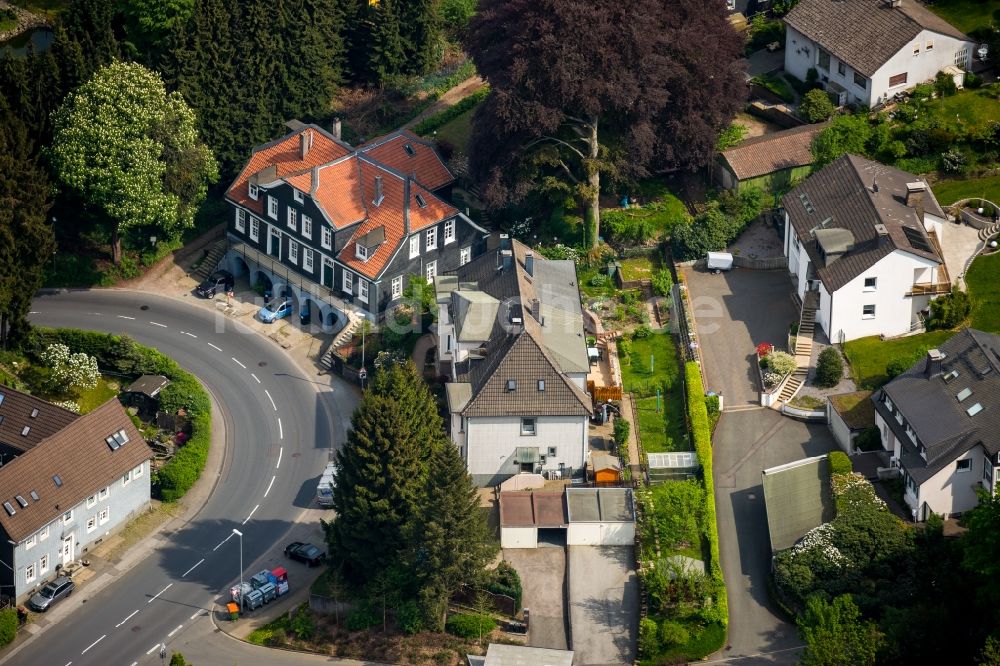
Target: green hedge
840 463
468 625
701 434
122 354
8 626
439 120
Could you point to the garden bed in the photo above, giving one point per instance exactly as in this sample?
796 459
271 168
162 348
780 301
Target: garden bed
664 430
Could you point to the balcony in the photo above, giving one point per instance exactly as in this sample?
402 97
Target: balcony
929 288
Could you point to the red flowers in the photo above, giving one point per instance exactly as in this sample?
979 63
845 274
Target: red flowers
764 348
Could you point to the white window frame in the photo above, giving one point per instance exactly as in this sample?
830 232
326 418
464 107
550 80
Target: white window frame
529 430
348 285
988 472
104 516
252 191
91 524
103 493
137 472
272 207
254 228
362 290
297 195
414 246
29 574
43 533
431 242
865 314
307 259
464 255
293 251
67 517
431 270
959 469
29 543
929 46
397 287
91 501
241 220
127 478
307 226
361 252
43 564
449 231
873 286
292 218
326 238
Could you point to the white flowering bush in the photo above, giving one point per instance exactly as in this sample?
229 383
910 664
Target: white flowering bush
819 540
70 405
781 362
771 379
69 370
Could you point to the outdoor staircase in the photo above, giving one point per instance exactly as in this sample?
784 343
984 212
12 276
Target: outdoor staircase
353 324
989 232
212 259
803 348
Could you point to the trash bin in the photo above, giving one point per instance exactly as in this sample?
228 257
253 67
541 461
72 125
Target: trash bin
234 611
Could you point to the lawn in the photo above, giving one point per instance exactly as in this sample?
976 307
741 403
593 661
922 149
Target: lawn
983 280
949 191
968 108
457 132
91 399
869 356
666 430
639 268
966 15
656 214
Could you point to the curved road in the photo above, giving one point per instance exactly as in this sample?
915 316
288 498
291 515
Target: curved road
280 426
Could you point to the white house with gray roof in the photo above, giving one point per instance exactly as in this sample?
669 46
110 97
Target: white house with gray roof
865 238
865 51
511 342
940 421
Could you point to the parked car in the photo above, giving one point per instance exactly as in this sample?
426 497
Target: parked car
52 592
279 308
216 282
306 553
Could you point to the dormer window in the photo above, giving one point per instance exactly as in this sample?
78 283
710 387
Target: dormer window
299 198
367 244
361 252
409 149
252 190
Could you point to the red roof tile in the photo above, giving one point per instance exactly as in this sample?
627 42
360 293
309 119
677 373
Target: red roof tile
424 164
434 209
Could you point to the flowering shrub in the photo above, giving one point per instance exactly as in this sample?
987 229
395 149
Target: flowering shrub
70 405
764 348
781 362
771 379
853 490
70 370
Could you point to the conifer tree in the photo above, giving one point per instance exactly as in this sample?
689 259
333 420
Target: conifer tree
421 34
386 57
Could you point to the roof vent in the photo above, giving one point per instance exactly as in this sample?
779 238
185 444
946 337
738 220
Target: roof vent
57 480
881 230
511 384
963 394
9 508
25 431
975 409
20 500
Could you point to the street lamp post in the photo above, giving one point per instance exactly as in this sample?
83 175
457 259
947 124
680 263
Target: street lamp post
240 535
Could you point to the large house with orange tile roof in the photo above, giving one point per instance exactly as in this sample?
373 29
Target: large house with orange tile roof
342 228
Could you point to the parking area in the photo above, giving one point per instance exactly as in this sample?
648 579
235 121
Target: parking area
543 583
734 312
603 604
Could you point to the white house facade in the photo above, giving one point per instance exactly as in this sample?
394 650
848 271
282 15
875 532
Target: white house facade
863 236
865 51
510 340
938 422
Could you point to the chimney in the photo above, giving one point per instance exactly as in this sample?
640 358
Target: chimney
934 359
915 197
529 263
305 143
378 191
335 128
508 259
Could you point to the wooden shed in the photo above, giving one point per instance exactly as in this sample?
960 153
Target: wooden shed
606 468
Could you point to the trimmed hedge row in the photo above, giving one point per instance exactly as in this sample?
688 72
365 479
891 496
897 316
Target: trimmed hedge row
122 354
840 463
701 434
439 120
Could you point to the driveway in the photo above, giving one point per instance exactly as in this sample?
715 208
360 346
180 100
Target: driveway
543 583
734 312
745 444
603 603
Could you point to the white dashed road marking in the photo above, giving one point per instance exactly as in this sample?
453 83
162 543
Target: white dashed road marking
222 542
192 568
238 363
155 647
189 334
94 643
280 451
270 484
126 619
255 377
268 393
252 511
159 593
281 431
196 614
214 347
179 627
124 317
156 323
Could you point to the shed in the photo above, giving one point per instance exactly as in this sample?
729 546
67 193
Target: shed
797 497
600 517
770 162
143 393
606 468
848 414
671 465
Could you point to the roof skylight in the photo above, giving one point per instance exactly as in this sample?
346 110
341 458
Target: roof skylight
975 409
963 394
948 376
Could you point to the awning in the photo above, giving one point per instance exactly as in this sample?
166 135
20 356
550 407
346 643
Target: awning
526 454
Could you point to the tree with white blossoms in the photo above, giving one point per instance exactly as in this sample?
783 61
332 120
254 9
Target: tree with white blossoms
70 370
130 150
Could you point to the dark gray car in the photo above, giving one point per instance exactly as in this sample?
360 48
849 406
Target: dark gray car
51 593
219 281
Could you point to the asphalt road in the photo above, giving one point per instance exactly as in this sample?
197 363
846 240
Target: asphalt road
279 429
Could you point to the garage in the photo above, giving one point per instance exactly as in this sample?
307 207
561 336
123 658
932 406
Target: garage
573 517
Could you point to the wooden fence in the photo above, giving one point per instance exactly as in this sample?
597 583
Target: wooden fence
604 393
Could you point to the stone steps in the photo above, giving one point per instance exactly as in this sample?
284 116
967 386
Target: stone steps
989 232
211 260
353 323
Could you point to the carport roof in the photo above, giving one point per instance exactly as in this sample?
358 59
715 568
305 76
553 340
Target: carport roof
798 498
519 508
600 505
521 655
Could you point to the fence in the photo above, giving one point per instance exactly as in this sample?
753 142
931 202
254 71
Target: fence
767 264
604 393
501 602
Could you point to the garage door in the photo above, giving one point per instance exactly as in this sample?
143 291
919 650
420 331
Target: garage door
519 537
600 534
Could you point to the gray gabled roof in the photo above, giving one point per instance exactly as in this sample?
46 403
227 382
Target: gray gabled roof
841 196
929 403
26 420
866 33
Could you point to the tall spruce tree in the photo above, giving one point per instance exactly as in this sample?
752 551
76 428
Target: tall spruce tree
386 56
26 241
419 27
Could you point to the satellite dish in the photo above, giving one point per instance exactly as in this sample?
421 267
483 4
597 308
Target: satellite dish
983 50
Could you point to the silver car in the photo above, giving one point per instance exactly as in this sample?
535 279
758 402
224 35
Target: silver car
51 593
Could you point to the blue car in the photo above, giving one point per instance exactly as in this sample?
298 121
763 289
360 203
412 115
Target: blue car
278 308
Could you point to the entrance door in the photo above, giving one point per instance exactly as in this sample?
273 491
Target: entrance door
327 278
68 547
274 244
